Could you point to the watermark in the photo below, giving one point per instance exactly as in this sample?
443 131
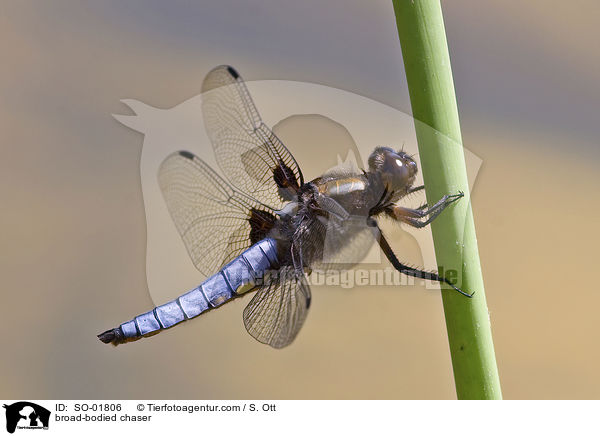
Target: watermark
343 278
357 277
326 130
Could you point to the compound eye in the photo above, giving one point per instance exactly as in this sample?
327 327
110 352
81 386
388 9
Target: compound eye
399 163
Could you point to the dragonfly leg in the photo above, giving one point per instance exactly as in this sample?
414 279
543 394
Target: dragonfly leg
410 271
416 188
413 216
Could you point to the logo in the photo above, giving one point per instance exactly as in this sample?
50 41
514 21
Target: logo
26 415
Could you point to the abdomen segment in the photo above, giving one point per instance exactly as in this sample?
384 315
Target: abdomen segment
237 277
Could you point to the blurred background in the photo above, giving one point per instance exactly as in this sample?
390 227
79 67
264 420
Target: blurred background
73 229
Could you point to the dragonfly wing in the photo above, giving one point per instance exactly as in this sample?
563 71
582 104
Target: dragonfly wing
277 311
251 156
215 221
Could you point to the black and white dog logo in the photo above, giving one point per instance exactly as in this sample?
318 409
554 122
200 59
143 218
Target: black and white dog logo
26 415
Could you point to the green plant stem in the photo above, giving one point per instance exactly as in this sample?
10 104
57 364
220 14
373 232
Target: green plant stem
429 76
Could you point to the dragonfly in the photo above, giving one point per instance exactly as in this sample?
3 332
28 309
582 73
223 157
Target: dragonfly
264 229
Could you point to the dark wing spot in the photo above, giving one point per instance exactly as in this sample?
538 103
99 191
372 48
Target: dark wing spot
261 222
232 71
187 155
284 177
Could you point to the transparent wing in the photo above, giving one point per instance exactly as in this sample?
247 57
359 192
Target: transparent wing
276 313
346 243
215 221
250 155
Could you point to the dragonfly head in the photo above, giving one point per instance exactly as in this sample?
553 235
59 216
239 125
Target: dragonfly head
397 168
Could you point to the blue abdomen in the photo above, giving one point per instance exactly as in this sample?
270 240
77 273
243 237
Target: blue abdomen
237 277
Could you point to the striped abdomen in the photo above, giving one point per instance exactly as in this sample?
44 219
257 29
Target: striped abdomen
237 277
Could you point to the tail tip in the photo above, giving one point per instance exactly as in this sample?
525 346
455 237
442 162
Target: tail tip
112 336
